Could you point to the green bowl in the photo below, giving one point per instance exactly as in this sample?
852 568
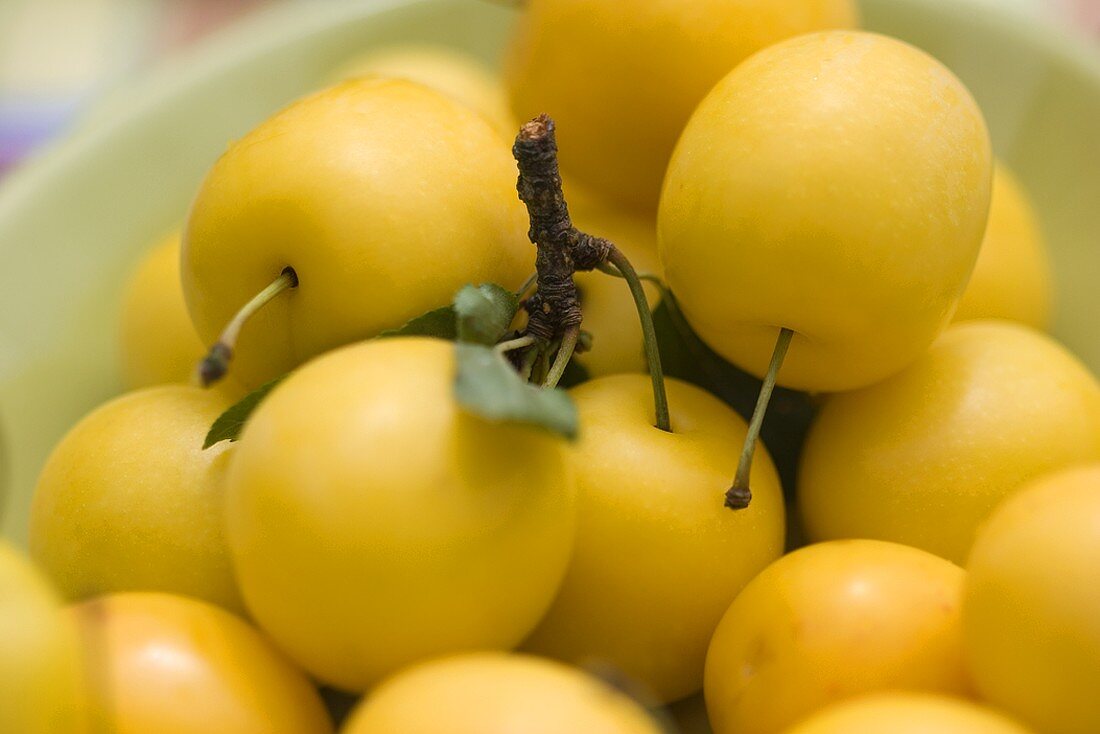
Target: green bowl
74 221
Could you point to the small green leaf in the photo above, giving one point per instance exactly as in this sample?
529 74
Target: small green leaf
488 386
439 322
229 424
480 315
484 313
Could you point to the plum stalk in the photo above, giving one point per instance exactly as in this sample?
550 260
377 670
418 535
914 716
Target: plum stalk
739 494
215 365
649 337
565 353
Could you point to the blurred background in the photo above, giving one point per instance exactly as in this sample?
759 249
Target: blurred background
59 57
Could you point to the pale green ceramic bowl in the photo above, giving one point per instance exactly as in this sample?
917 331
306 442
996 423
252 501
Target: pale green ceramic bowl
75 220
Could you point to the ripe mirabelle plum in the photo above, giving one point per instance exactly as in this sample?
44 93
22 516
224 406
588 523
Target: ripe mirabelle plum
171 665
497 693
1012 278
459 75
1031 606
41 684
832 621
621 78
658 558
130 501
373 522
383 196
848 209
908 713
923 457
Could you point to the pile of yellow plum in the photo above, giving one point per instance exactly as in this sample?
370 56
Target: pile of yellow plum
391 517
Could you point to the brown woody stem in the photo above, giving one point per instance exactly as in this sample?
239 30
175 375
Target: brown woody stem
554 311
562 249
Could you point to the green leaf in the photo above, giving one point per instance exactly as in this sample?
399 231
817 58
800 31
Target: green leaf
488 386
439 322
687 357
479 314
484 313
229 424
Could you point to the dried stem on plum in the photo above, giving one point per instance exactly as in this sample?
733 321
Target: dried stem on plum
739 495
554 311
216 363
562 249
